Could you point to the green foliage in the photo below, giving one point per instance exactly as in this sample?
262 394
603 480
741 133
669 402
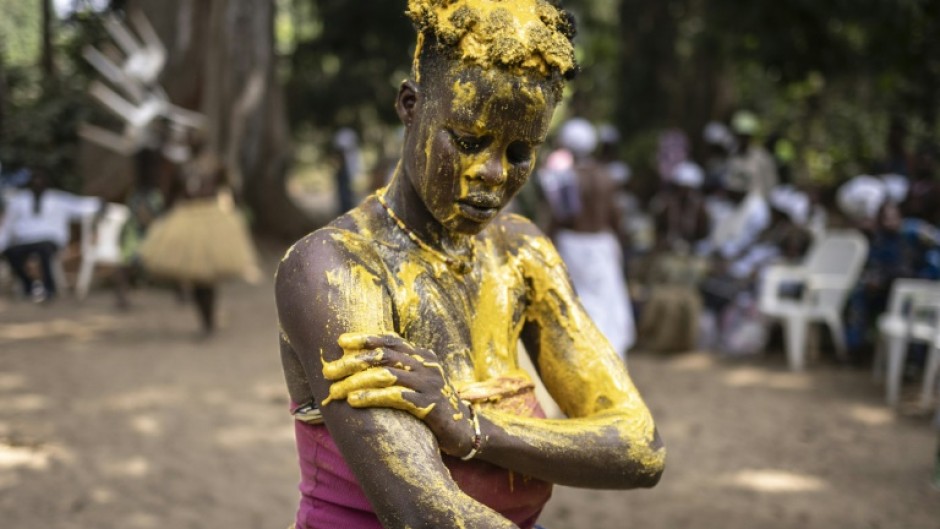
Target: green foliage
42 114
828 76
20 33
345 70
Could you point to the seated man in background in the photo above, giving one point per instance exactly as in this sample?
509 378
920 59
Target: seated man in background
36 225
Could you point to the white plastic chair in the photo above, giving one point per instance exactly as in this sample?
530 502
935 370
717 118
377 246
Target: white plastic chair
913 315
827 275
101 244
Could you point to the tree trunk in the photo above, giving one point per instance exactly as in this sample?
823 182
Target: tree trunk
222 62
4 95
47 61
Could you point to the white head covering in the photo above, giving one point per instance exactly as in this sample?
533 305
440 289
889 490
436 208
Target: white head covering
717 133
896 186
792 202
346 139
688 174
578 136
862 197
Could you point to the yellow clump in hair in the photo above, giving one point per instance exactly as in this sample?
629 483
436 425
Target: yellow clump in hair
518 35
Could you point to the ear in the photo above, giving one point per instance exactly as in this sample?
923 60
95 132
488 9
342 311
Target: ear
407 102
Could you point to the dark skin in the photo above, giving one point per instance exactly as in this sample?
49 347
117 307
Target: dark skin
597 190
390 345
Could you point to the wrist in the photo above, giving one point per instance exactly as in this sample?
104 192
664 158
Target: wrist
476 438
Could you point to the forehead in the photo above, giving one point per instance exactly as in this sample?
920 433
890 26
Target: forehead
480 100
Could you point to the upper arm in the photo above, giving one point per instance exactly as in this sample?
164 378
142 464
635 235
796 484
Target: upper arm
323 290
575 361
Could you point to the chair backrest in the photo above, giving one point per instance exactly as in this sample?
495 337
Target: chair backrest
102 242
907 294
834 265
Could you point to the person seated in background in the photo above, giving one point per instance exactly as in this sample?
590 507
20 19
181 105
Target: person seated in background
37 225
898 248
736 229
735 283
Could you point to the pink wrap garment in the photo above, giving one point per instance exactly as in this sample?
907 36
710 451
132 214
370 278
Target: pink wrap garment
331 497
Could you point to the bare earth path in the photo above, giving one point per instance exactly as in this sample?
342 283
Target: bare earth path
111 420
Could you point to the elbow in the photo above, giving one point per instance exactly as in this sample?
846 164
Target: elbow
649 475
646 464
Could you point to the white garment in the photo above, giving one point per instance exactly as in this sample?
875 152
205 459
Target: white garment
752 170
594 262
740 229
23 225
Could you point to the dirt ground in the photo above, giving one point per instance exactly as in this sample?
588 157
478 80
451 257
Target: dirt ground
123 420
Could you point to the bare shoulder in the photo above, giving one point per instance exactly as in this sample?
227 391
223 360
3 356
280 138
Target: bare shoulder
345 241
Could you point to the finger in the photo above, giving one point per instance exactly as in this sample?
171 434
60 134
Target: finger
373 378
394 397
363 359
361 340
353 363
428 362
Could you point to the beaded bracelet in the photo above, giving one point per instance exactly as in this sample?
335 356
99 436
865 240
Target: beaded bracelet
476 444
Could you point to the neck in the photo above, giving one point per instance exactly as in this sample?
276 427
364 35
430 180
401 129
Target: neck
404 201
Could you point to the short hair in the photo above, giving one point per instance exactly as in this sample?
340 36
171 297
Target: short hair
523 37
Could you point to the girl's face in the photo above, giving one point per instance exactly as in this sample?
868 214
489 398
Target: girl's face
471 143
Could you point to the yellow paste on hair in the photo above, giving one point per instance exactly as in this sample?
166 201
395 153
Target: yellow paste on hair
518 35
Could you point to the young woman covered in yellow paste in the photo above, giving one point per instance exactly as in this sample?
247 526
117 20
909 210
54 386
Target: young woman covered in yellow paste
400 320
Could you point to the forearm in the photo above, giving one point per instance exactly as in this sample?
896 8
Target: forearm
613 450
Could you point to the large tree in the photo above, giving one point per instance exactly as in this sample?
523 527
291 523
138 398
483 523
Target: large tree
222 62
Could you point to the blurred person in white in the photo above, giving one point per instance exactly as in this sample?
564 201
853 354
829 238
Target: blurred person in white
589 239
37 225
750 162
730 291
735 231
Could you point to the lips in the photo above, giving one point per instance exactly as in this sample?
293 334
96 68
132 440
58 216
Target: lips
479 207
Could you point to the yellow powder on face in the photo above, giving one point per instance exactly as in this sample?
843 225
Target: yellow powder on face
465 93
518 35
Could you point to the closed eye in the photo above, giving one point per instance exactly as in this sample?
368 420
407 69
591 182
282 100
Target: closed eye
519 153
468 144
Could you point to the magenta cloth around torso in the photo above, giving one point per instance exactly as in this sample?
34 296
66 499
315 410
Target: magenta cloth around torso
331 497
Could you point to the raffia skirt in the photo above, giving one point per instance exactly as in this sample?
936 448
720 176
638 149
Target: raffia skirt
201 241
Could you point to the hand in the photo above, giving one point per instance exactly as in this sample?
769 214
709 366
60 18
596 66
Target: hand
386 371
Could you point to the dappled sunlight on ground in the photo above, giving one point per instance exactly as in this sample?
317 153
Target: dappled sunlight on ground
693 361
134 467
872 416
85 329
774 481
755 377
147 425
22 457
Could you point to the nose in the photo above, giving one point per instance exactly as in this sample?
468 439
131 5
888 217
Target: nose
492 170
